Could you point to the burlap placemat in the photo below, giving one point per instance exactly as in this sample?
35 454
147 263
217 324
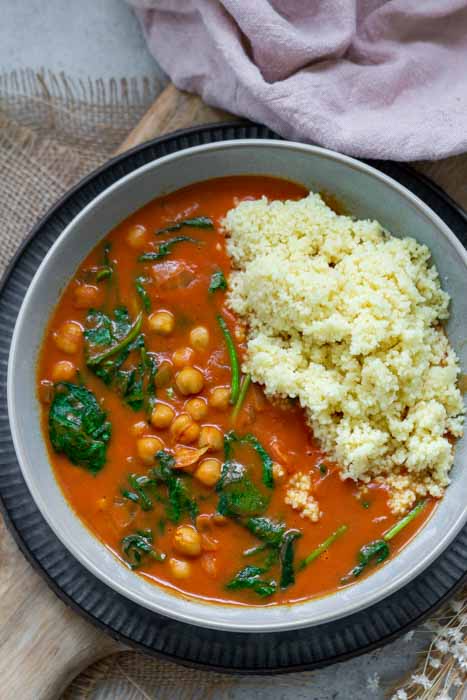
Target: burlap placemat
53 131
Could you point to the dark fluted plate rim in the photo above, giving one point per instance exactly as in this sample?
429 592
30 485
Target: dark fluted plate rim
125 621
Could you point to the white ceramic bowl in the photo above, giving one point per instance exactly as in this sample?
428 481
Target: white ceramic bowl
366 193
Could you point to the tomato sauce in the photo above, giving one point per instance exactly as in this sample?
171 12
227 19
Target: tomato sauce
179 283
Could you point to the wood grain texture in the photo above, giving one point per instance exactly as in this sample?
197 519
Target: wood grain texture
44 644
450 174
172 110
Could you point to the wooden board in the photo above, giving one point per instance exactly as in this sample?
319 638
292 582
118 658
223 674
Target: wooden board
43 644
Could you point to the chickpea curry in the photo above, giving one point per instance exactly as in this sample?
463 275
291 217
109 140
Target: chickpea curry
170 455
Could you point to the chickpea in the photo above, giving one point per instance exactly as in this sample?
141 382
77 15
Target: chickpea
138 429
220 397
209 472
184 429
162 415
86 295
68 337
191 433
199 337
147 448
189 381
182 357
197 408
211 437
63 371
136 237
179 568
187 540
161 322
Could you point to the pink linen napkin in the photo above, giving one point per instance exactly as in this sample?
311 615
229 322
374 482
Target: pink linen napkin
371 78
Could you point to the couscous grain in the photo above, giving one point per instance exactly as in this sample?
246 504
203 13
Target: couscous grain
346 318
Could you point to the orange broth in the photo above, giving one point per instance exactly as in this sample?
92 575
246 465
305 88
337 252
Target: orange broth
180 284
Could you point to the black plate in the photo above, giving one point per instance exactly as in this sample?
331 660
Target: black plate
126 621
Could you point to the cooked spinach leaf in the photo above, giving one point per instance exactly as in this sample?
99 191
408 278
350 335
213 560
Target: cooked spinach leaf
179 501
109 343
231 472
266 461
165 485
267 530
278 543
78 426
287 557
128 383
138 547
231 438
144 296
239 497
106 269
149 362
166 248
140 485
196 222
117 344
244 386
253 551
272 557
136 385
103 331
165 465
250 577
271 554
374 552
233 358
379 550
218 282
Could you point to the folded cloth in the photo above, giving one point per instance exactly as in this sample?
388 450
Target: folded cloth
372 78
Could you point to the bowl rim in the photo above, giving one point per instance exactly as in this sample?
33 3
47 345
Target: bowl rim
75 549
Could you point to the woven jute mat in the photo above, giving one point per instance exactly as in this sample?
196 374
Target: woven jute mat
54 131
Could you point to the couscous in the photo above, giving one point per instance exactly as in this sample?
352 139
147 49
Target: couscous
347 319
